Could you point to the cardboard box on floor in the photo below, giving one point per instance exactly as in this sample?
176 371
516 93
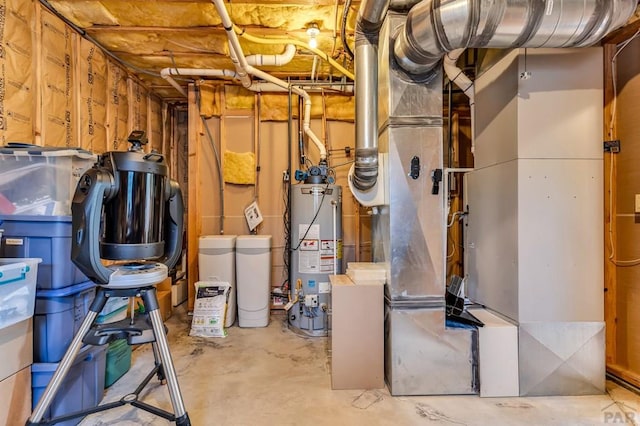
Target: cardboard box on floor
357 333
15 398
16 348
163 291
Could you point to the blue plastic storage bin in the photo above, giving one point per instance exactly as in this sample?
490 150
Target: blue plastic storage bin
58 316
46 237
82 388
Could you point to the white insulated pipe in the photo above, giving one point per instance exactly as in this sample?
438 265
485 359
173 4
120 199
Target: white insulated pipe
235 50
243 68
274 60
306 123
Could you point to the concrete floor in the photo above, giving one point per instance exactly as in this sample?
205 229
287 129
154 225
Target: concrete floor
270 376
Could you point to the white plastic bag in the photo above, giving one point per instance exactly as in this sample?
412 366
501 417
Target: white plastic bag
210 309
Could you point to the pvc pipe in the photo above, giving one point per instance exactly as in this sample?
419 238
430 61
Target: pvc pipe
307 106
244 68
273 85
273 60
235 50
298 43
256 86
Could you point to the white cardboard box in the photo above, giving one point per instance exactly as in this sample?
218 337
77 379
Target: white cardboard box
357 334
498 344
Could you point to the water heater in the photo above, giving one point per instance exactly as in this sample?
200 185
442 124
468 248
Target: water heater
316 253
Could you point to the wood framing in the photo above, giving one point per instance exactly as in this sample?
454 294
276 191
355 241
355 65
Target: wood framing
194 224
610 133
37 122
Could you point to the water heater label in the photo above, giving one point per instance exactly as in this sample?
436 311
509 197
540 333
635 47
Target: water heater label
324 287
326 249
309 245
309 262
308 232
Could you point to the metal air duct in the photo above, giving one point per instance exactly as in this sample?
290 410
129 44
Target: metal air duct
370 17
435 27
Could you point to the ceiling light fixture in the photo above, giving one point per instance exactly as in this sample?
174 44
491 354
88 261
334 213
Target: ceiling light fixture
313 32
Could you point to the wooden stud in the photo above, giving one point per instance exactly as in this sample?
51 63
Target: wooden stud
77 94
149 123
38 124
622 34
610 272
194 223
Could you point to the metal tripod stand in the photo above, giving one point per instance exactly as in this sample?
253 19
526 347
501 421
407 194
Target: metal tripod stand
147 328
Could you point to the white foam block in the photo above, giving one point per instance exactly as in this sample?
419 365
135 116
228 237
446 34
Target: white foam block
498 344
366 271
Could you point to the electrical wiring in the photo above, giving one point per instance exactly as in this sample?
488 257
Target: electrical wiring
453 217
218 162
343 29
449 225
343 164
287 229
612 161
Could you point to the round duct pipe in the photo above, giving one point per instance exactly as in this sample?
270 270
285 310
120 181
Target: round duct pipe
435 27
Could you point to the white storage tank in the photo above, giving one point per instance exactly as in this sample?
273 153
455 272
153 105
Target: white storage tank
216 261
253 266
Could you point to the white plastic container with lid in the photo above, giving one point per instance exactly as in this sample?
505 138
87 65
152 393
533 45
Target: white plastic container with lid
216 261
37 180
253 266
17 289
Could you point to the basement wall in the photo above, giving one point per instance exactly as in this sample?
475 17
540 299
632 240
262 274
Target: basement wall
61 90
234 128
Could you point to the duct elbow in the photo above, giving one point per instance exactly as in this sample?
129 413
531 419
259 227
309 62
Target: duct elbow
365 173
411 57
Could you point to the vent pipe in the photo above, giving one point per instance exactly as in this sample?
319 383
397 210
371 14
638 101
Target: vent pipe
435 27
370 17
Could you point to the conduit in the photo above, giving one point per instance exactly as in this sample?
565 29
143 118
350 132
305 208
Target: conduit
243 68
